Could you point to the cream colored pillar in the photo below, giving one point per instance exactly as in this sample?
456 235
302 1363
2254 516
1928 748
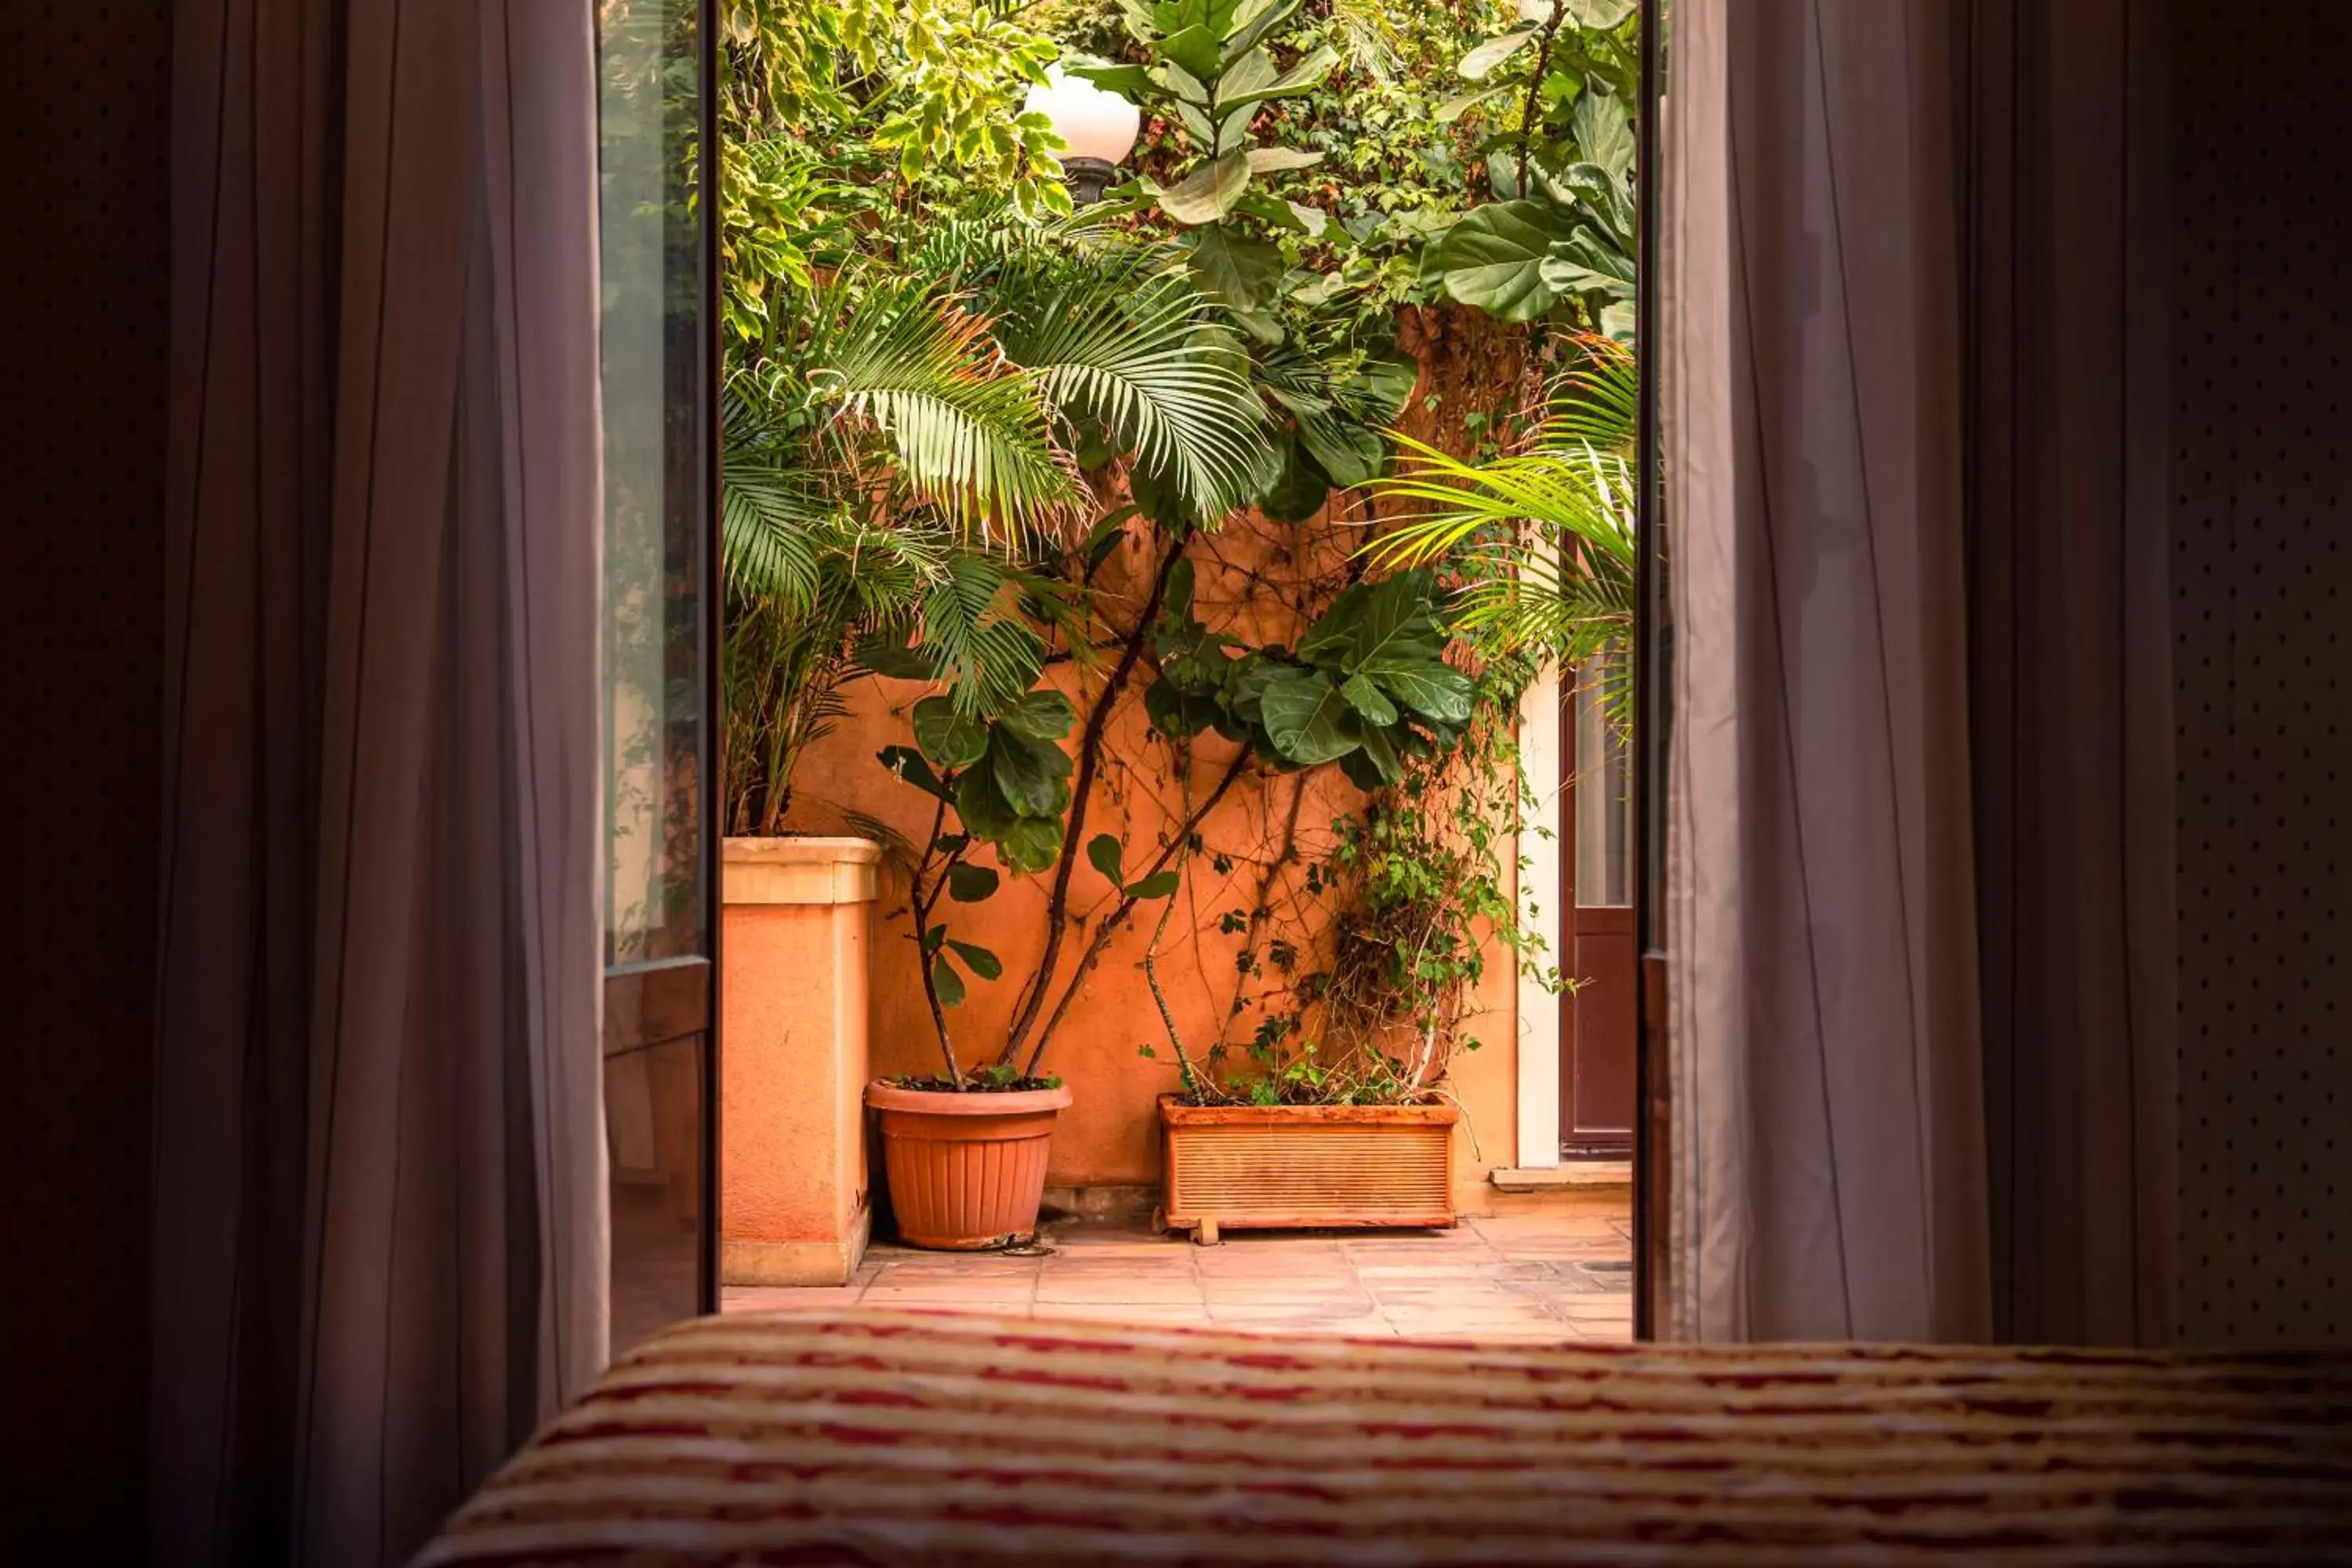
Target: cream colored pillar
792 1143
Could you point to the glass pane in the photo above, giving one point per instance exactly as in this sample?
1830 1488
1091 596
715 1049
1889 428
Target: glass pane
1604 794
653 1113
656 664
654 457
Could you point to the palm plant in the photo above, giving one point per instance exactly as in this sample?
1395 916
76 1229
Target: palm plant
905 439
1544 538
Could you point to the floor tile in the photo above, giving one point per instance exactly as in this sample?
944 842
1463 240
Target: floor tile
1555 1273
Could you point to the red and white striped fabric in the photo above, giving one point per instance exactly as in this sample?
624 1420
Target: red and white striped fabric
898 1438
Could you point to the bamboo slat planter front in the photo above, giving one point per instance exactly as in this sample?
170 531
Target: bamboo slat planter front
1267 1166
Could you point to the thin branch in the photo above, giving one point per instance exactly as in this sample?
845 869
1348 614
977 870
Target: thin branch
1110 924
920 907
1528 114
1090 745
1261 907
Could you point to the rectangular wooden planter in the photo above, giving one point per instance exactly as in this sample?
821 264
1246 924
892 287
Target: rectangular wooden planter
1306 1165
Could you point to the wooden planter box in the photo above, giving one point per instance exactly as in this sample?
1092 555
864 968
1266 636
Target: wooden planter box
1305 1165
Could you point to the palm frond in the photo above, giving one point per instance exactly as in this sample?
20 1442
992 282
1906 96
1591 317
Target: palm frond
1125 341
967 427
1544 540
1598 404
1566 500
774 511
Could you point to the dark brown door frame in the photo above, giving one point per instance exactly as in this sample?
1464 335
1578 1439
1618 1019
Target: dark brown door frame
714 731
1652 664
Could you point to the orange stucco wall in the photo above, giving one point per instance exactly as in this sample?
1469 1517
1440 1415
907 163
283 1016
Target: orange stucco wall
1109 1135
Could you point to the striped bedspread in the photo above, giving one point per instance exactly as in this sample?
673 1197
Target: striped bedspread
899 1437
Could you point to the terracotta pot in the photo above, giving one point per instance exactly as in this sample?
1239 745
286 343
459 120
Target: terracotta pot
966 1170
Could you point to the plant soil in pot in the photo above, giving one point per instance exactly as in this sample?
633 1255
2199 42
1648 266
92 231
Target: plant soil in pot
967 1168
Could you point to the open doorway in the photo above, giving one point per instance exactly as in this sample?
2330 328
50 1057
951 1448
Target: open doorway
1165 448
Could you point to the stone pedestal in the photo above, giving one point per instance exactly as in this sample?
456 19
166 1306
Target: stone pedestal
792 1069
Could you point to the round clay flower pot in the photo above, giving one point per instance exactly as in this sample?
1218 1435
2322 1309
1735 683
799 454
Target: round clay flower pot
967 1170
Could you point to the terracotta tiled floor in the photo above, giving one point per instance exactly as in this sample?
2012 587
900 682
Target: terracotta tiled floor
1561 1270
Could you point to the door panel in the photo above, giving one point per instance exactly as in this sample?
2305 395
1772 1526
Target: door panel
1597 1106
659 955
1601 1021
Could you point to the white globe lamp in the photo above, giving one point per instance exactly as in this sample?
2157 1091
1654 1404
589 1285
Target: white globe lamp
1098 125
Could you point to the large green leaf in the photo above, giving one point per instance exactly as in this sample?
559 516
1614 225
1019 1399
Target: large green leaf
1246 684
1607 196
1300 489
1280 160
1196 49
1304 76
949 738
1368 701
1351 454
1436 691
1386 385
983 806
968 884
1453 108
1381 753
1493 260
1234 269
1306 717
910 765
1039 716
1031 844
1129 82
1587 263
1210 192
1033 775
1485 57
978 959
1252 21
1604 127
1103 852
1398 627
1244 76
947 982
1372 626
1600 15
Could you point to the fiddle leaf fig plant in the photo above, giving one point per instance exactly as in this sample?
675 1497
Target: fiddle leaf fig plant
1212 71
1367 687
1561 228
1001 783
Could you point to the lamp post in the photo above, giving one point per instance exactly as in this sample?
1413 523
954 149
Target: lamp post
1098 124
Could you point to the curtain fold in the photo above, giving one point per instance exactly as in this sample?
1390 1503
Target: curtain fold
1903 1014
380 1189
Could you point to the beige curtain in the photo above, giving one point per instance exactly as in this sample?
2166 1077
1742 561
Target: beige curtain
380 1233
1919 1033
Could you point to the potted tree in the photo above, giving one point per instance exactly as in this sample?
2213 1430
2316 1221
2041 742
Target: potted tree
867 457
965 1149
